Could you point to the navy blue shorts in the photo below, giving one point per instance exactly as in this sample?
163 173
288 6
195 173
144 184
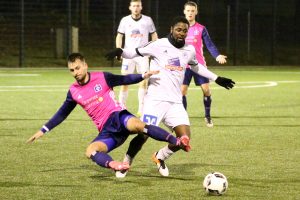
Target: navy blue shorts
114 132
198 79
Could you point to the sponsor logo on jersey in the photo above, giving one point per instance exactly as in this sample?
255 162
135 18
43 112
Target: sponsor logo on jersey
79 96
174 64
135 33
150 119
98 88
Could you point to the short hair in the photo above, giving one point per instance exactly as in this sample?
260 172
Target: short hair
73 56
179 19
133 1
191 3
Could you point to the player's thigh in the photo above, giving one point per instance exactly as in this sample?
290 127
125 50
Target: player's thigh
135 125
128 66
99 146
176 116
154 111
142 64
187 77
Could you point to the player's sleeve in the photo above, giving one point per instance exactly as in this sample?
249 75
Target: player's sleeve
121 28
61 114
209 44
152 28
113 80
200 69
147 50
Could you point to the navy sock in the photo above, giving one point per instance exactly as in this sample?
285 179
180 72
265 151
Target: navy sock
101 159
136 145
160 134
207 103
184 102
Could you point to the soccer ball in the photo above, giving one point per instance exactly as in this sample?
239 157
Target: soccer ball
215 183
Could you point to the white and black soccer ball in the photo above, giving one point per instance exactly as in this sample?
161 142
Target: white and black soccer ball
215 183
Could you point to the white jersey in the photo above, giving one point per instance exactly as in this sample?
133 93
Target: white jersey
136 31
172 63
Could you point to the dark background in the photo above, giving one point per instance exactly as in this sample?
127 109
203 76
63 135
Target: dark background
257 32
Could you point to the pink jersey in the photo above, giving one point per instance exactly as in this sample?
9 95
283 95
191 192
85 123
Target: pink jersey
194 37
96 98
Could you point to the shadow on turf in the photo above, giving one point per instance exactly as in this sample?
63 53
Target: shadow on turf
182 172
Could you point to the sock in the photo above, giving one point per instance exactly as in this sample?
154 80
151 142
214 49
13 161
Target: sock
123 97
184 102
141 95
164 153
207 103
160 134
102 159
136 145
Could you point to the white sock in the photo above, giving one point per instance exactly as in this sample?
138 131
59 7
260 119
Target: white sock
123 97
164 153
141 95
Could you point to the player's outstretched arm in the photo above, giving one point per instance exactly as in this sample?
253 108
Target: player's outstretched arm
36 136
221 59
150 73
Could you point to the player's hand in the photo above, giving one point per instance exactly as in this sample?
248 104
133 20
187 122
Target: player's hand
150 73
221 59
35 137
225 82
114 53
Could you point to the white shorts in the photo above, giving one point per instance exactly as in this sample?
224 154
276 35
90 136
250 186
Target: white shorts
171 114
141 64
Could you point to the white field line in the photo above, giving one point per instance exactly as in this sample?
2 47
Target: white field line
64 88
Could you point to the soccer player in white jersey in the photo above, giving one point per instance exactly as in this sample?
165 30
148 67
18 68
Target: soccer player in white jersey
163 101
136 29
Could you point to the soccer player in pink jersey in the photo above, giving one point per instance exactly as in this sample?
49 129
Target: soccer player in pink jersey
197 34
93 91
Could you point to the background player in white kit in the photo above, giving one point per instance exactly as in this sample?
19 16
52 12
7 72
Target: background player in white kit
163 101
136 29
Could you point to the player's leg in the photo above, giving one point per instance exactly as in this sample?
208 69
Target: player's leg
135 125
184 87
97 151
204 84
178 120
142 67
127 68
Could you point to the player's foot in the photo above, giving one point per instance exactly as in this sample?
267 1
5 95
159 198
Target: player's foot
209 122
123 173
161 165
185 143
118 166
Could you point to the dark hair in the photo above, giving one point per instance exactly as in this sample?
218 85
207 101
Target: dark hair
73 56
179 19
191 3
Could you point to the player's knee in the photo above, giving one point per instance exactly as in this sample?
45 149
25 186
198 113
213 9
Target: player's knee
184 90
135 125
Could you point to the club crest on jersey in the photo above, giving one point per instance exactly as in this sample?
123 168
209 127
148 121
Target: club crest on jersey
97 88
196 32
174 64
